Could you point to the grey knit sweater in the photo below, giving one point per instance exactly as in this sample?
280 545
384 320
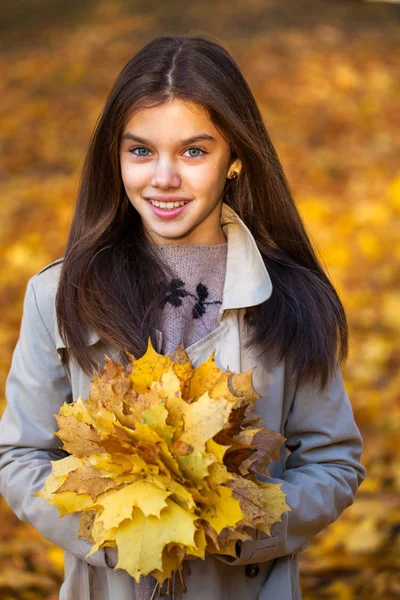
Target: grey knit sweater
194 298
190 309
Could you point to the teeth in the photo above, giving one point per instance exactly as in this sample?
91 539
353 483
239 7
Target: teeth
167 205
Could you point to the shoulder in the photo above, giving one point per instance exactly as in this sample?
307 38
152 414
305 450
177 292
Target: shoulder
48 276
43 287
45 282
54 266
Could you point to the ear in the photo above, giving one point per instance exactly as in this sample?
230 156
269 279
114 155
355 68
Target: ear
235 165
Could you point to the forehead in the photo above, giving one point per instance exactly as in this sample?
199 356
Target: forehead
180 118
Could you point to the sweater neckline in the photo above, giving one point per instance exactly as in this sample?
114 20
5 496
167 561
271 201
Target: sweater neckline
186 246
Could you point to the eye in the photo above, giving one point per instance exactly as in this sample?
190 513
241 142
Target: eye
131 150
198 150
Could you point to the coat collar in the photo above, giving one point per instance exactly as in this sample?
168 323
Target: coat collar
247 281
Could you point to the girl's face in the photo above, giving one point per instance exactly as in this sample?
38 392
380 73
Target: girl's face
173 153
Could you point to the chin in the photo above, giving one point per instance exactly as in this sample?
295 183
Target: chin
173 236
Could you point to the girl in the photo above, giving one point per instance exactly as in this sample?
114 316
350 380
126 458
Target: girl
185 229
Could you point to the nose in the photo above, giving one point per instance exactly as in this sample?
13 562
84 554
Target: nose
165 175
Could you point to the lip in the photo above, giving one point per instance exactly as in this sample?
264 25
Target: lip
168 213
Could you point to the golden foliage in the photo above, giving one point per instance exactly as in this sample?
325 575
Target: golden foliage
146 469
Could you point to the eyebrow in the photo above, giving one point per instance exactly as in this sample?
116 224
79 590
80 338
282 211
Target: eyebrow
196 138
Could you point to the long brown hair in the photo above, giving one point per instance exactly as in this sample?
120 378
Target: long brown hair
111 280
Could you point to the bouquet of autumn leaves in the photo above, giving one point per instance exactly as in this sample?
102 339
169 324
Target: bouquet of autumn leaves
163 462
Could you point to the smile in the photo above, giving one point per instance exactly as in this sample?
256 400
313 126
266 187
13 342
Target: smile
168 205
168 210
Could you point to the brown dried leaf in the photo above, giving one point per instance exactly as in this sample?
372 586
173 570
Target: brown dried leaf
79 438
87 480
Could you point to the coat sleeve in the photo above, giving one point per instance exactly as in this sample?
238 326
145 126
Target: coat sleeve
322 473
36 386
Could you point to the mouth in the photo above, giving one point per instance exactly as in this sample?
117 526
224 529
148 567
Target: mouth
168 210
168 205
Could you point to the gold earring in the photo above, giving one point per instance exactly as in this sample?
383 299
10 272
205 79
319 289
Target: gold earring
233 175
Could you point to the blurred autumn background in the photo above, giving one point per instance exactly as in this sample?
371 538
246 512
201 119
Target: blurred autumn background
326 77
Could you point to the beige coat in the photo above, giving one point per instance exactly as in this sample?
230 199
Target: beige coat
320 463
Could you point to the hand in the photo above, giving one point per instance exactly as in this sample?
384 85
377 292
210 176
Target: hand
111 556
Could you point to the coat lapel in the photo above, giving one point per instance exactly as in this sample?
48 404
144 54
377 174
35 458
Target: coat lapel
247 281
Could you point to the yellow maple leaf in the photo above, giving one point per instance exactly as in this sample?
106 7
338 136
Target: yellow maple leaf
201 419
223 511
141 540
207 377
149 368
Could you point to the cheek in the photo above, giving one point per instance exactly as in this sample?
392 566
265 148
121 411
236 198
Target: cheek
211 177
134 176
